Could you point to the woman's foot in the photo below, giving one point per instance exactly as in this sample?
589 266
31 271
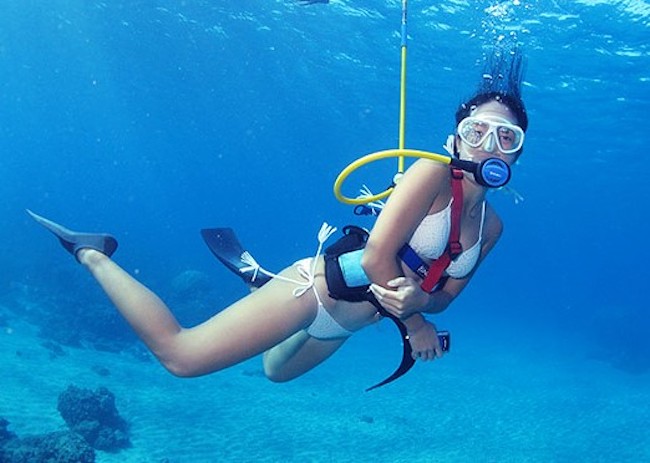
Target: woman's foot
74 242
90 257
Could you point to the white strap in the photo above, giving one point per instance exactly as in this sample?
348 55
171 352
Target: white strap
303 286
375 206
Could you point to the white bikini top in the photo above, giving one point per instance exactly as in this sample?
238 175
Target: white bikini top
432 235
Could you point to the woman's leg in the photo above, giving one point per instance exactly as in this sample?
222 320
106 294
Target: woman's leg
247 328
297 355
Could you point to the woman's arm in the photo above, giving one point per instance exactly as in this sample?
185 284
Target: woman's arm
403 296
409 203
422 333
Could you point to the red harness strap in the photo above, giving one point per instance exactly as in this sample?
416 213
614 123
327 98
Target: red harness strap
454 248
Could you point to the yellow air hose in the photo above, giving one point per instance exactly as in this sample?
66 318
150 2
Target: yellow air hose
400 153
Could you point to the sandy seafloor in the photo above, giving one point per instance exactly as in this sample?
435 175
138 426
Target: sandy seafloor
534 404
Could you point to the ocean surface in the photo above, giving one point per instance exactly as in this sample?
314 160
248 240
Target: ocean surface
153 119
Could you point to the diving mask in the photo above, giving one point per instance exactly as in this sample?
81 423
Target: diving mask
475 130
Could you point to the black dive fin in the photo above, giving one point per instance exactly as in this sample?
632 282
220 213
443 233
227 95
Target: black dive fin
226 247
74 241
407 358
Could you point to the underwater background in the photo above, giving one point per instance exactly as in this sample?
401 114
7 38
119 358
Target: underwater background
153 119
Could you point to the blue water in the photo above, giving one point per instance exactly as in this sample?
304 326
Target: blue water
152 120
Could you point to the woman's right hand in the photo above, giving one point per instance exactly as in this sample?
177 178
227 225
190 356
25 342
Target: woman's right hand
403 299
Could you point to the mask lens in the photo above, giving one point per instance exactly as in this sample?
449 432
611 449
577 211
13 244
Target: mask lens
509 139
474 131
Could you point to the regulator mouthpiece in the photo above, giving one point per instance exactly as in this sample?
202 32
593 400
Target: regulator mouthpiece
491 173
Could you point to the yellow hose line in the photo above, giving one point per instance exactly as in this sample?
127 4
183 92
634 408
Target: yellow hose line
402 112
367 159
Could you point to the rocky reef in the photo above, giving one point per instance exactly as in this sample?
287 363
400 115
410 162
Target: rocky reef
93 415
94 422
54 447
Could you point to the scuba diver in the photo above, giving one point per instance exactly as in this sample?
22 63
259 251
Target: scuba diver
301 316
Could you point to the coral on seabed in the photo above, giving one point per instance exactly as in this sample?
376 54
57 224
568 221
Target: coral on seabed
94 424
5 434
55 447
95 417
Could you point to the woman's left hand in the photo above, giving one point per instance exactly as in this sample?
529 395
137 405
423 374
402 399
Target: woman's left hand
424 341
403 301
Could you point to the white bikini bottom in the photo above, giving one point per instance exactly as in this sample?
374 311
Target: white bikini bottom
324 326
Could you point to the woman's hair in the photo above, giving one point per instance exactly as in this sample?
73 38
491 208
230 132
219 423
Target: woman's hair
502 78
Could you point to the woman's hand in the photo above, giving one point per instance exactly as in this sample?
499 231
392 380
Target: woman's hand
424 342
404 300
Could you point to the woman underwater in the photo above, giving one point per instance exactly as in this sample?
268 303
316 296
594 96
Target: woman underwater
301 317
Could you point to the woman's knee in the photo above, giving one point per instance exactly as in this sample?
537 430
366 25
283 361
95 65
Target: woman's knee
276 373
180 369
181 362
277 366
